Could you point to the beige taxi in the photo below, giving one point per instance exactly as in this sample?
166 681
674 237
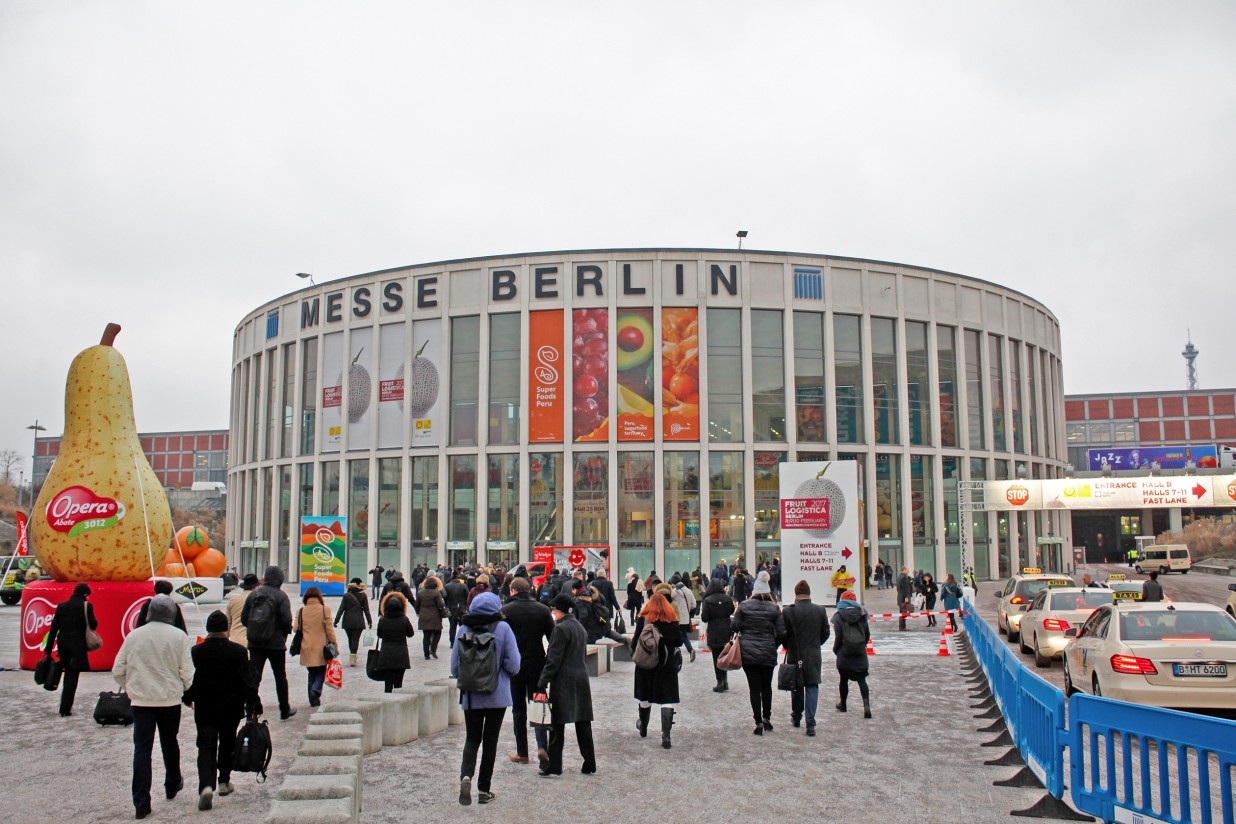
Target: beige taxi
1052 613
1014 599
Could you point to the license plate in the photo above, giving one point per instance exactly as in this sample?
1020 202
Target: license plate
1200 670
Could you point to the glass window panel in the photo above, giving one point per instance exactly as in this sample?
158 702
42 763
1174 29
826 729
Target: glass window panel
980 533
922 513
946 360
888 496
286 530
308 395
263 503
358 518
590 479
1032 374
330 488
545 499
884 380
1019 437
918 383
974 390
288 403
727 524
1101 434
809 386
305 501
504 375
461 524
465 380
995 367
951 468
1125 432
636 511
682 510
768 374
502 522
1075 432
390 499
274 409
423 509
767 483
257 418
725 389
848 354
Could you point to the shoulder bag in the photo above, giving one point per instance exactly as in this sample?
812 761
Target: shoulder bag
373 669
94 642
789 675
294 649
731 657
331 651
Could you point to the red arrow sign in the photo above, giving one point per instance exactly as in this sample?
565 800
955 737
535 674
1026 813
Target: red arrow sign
845 553
1199 490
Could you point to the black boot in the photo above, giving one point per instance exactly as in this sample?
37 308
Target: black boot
841 705
667 721
725 682
866 708
642 725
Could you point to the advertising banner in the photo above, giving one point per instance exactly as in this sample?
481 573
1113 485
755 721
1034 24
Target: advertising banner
332 393
588 558
1140 457
820 529
358 377
391 369
323 553
23 543
545 378
422 393
635 343
680 374
116 607
590 375
1111 493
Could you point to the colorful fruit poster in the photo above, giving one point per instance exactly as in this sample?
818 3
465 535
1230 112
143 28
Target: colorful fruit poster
332 392
357 376
820 515
590 375
391 366
680 374
323 554
634 344
422 391
545 378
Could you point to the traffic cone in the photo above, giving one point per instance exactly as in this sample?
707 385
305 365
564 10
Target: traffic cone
944 653
948 627
870 648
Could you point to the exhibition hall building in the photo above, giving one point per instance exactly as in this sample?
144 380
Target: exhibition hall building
639 401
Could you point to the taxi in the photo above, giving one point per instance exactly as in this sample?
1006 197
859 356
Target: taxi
1013 601
1123 589
1178 656
1231 600
1053 612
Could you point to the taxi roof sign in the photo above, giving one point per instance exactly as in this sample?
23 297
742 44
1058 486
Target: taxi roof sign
1117 576
1127 595
1031 571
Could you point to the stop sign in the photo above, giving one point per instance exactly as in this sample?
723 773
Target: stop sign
1231 490
1017 495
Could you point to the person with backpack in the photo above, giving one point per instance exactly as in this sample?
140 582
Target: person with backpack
806 630
267 618
564 681
762 626
851 633
654 649
394 630
355 615
222 685
533 624
316 631
684 604
951 595
484 658
715 613
430 610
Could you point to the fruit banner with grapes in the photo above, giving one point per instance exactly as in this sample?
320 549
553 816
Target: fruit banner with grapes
820 528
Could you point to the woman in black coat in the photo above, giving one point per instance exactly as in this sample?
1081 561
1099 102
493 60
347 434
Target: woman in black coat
635 594
659 685
930 590
354 613
715 613
762 626
394 630
69 626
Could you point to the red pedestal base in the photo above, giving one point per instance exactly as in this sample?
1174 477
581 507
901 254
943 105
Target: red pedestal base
116 605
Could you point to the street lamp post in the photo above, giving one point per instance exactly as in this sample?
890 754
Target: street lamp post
34 456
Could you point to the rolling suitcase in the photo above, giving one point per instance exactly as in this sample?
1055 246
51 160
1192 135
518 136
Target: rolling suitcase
113 709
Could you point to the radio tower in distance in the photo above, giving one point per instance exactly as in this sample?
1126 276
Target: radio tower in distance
1190 354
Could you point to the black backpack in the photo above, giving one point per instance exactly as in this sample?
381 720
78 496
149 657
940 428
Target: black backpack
262 614
853 639
478 661
253 750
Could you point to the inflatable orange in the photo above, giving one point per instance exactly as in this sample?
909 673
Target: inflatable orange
210 564
191 541
177 571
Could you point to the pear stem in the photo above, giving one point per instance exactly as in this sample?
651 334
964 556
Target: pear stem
109 334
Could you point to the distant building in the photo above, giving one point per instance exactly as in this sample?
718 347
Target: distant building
179 458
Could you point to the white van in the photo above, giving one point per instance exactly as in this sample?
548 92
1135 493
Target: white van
1164 558
210 486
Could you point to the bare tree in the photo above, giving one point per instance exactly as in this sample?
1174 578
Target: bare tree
9 458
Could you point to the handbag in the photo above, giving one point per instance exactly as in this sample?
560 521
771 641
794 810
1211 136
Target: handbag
789 675
731 657
372 668
541 716
620 624
52 682
331 651
94 641
113 709
334 674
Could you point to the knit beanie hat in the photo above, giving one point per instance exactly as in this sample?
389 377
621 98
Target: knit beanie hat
802 589
761 586
216 622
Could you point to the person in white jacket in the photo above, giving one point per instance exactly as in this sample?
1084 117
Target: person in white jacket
155 667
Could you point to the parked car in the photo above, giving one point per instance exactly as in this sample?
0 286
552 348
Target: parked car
1180 655
1231 600
1051 614
1018 592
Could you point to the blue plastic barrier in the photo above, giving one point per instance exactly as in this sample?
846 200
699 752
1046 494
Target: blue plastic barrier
1104 737
1041 735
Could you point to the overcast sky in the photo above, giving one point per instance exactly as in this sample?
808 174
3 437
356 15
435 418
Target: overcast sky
170 166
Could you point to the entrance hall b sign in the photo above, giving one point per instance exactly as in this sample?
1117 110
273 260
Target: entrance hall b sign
1111 493
820 517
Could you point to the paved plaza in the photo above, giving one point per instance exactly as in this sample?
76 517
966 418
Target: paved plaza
918 760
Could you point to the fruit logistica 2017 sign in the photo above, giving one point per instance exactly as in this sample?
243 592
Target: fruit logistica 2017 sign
819 527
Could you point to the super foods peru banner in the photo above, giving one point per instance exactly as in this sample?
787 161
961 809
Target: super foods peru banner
820 515
323 554
637 390
545 377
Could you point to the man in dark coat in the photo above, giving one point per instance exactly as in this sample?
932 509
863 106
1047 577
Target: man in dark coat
375 579
69 625
269 642
456 594
605 589
565 676
532 623
222 684
721 573
806 630
905 589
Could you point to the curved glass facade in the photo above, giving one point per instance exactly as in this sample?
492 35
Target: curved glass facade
639 400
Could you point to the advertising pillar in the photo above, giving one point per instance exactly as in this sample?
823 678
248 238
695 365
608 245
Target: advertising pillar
820 529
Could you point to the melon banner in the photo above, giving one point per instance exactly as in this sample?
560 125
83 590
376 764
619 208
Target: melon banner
820 516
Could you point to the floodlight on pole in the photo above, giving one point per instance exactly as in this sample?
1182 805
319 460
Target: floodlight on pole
306 275
34 453
742 233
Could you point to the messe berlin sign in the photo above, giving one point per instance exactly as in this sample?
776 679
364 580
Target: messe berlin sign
1111 493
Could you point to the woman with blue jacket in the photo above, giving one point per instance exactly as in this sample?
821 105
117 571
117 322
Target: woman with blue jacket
951 595
484 711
